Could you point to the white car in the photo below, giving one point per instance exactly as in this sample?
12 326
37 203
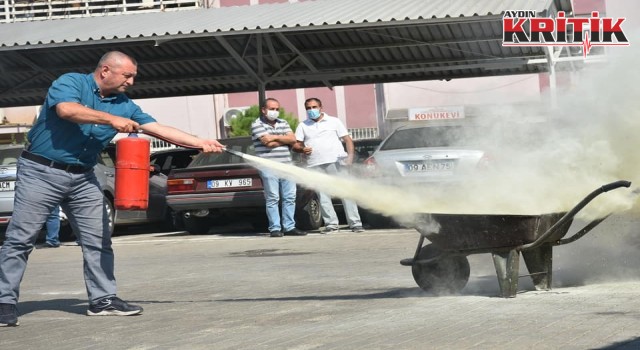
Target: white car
422 153
9 155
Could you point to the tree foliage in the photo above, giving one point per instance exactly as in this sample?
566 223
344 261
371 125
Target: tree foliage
241 125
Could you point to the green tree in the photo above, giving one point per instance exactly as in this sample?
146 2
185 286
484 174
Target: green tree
241 125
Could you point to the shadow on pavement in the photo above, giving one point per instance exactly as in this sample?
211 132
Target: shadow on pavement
623 345
394 293
74 306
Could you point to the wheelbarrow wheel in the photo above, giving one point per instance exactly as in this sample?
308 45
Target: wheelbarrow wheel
447 274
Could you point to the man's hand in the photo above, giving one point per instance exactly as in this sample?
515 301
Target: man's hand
267 138
124 124
211 146
307 150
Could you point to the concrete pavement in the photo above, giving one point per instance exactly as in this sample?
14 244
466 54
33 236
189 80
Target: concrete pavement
339 291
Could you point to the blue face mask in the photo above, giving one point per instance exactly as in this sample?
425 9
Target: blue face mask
313 113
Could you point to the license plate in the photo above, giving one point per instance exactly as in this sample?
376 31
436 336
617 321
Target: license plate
244 182
7 185
429 166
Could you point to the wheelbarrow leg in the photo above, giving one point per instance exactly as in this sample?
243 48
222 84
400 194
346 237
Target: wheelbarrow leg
539 262
507 266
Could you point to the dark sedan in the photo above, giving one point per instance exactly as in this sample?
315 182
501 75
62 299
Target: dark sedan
217 187
157 212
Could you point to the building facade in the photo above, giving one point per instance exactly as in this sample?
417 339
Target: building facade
369 110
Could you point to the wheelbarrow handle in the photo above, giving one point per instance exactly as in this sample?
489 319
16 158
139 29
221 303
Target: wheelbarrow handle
569 215
614 185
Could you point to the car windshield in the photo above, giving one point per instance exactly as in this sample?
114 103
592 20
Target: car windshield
244 145
429 137
9 156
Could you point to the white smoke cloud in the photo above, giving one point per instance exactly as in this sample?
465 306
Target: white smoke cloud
590 138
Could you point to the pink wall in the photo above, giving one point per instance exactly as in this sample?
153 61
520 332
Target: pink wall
192 114
359 110
360 106
325 95
586 6
563 80
243 99
457 92
287 99
225 3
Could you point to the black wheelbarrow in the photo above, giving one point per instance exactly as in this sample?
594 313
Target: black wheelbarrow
442 266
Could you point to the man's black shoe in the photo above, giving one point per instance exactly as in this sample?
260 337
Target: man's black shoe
295 232
276 234
329 229
8 315
47 245
113 306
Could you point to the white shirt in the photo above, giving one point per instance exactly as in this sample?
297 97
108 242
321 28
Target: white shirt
324 138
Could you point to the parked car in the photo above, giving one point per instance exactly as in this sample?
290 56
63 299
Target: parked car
175 158
158 212
217 187
9 155
364 148
422 153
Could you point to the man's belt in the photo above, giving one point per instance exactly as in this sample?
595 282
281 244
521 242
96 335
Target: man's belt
74 169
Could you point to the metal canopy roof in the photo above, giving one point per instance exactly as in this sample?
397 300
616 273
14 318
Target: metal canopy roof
277 46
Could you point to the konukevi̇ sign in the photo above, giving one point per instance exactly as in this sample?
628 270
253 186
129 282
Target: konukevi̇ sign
436 113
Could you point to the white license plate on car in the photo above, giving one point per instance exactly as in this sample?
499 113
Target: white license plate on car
430 166
7 186
244 182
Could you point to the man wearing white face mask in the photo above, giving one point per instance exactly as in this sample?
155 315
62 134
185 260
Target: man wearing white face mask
272 137
319 139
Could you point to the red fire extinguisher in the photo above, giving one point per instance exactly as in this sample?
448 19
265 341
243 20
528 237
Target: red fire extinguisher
132 173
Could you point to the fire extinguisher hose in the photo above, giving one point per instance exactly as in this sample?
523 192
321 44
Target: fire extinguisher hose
235 153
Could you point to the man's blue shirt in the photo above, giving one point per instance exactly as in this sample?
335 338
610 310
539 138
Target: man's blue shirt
72 143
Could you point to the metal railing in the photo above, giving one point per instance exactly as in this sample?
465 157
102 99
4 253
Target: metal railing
34 10
364 133
356 134
159 145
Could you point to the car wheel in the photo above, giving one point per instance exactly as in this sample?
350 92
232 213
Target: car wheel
309 216
66 233
375 220
260 223
196 226
172 222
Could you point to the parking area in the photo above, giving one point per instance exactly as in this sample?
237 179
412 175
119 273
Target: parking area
240 290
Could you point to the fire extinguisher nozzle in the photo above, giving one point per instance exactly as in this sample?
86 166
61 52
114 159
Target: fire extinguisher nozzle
235 153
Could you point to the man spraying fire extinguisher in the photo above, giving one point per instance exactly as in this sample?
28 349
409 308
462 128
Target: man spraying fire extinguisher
80 116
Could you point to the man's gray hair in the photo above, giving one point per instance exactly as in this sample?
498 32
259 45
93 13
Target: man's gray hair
264 103
115 58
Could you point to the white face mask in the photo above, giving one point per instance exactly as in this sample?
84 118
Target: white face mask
272 115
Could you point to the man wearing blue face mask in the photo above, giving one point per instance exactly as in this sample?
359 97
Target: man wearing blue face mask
272 137
319 138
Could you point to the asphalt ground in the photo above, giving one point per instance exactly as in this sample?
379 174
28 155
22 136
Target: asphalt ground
240 290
